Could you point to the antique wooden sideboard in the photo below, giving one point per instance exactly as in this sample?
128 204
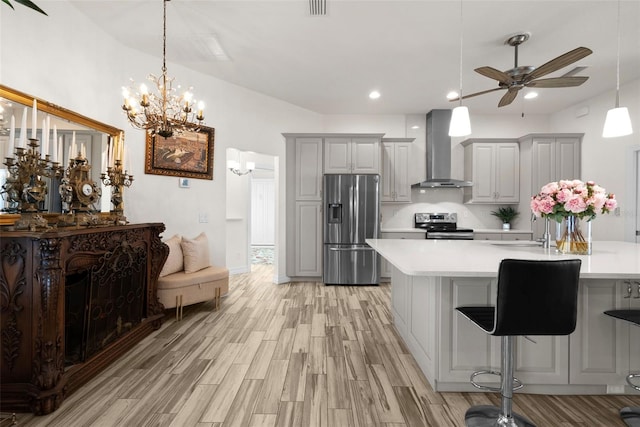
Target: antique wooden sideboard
72 301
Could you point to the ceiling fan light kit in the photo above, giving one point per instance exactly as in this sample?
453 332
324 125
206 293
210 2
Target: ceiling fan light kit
618 122
519 77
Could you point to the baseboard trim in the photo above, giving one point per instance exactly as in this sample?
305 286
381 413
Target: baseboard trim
281 279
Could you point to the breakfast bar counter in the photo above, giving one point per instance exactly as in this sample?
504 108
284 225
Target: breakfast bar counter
430 278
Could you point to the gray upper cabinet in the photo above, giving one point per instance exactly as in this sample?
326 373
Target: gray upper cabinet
546 158
493 165
352 155
308 169
396 158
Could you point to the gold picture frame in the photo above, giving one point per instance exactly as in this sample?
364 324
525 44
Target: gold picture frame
188 155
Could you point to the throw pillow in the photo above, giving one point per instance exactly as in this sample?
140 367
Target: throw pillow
196 253
174 261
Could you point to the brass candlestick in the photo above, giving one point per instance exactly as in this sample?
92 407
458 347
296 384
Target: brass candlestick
25 190
117 179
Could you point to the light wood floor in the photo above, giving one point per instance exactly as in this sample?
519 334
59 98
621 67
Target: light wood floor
302 354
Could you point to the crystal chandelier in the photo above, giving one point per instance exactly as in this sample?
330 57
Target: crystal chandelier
164 112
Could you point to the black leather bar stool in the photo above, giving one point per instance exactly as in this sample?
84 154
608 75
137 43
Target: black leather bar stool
629 414
534 298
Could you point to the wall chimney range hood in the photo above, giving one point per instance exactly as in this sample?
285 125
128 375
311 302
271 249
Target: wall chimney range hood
439 153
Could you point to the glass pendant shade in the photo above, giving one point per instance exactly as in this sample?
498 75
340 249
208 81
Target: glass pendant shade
460 124
617 123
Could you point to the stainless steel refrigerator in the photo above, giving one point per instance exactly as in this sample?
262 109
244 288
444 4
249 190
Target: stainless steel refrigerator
352 214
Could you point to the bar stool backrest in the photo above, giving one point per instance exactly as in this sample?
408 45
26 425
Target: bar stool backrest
537 297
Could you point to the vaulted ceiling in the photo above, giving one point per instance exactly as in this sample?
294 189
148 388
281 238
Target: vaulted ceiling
407 50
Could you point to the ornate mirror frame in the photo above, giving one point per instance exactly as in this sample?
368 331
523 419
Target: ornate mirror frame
116 134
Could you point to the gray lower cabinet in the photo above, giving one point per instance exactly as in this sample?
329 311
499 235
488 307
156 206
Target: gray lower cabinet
502 236
308 239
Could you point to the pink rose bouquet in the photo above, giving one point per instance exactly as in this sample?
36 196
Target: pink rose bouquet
561 199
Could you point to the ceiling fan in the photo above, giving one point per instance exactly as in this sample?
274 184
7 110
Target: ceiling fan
519 77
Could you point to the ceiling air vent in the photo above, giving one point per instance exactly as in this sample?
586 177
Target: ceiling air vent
317 7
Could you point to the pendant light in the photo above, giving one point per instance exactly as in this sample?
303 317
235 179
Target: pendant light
460 124
617 122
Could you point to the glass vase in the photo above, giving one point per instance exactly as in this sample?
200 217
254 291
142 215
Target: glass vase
573 236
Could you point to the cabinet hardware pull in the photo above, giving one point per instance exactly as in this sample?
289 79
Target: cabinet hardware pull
638 289
629 289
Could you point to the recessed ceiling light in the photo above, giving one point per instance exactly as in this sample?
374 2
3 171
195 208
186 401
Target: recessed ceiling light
531 95
374 94
415 127
452 95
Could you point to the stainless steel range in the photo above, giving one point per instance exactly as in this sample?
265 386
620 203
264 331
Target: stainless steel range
440 225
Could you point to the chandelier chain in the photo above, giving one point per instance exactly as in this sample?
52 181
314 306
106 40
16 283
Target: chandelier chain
618 61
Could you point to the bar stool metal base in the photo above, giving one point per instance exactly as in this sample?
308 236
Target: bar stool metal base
491 416
631 415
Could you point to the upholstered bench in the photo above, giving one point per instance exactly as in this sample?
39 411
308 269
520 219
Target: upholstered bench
187 276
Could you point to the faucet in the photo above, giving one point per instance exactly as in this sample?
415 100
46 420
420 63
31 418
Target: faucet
546 236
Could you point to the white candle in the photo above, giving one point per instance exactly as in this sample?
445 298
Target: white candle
34 119
73 144
83 150
23 129
12 136
60 150
55 143
44 149
48 131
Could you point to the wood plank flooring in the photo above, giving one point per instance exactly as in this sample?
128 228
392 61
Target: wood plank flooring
300 354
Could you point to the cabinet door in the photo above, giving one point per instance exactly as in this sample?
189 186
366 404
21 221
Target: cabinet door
308 168
466 348
544 163
387 184
487 236
507 173
395 172
483 173
517 236
567 163
337 155
308 244
365 155
599 347
401 163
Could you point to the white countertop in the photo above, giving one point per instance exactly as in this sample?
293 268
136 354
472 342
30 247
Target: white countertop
480 258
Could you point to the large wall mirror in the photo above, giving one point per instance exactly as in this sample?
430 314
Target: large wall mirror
94 138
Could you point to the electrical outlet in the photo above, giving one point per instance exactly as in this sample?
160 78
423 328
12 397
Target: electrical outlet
203 217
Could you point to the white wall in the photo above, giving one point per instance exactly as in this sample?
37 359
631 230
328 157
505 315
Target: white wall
66 60
607 161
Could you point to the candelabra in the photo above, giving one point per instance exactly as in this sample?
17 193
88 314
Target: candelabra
25 190
117 179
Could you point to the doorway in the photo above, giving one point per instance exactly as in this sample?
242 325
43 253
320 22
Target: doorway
262 237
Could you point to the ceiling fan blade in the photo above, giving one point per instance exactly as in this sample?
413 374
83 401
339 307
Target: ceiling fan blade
558 82
498 75
559 62
477 93
509 96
